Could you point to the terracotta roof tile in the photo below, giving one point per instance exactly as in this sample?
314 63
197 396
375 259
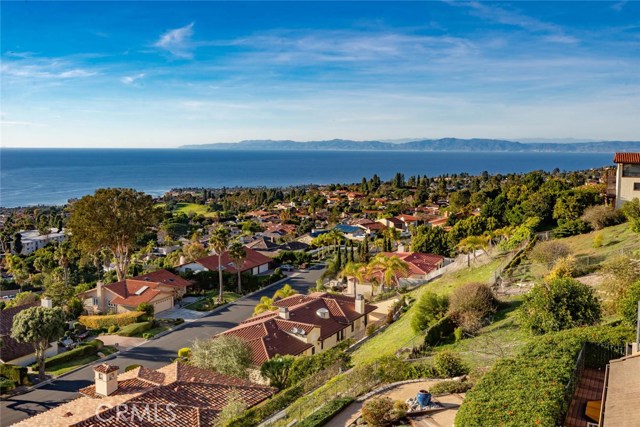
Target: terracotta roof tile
253 259
164 277
633 158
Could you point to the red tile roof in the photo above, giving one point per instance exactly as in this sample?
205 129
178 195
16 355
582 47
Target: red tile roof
419 263
268 334
196 395
407 218
165 277
126 291
253 259
627 158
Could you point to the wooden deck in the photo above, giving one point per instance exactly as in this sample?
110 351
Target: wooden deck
589 388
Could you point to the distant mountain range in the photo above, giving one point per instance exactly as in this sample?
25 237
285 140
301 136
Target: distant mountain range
444 144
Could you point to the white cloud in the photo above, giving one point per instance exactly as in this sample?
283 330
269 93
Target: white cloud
44 69
128 80
178 42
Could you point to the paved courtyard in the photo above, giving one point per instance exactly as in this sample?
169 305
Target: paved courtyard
178 312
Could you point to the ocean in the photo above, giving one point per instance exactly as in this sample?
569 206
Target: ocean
52 176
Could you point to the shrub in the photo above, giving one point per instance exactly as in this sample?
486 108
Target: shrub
103 322
530 388
572 227
184 352
470 305
441 330
178 321
276 370
448 364
628 305
601 216
131 367
135 329
147 309
428 310
113 329
17 374
598 240
324 414
446 387
564 267
371 329
147 335
458 334
378 411
631 211
549 252
6 385
559 304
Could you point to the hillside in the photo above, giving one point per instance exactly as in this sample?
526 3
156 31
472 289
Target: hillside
443 144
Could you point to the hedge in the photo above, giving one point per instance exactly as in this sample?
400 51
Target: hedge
530 388
135 329
324 414
85 349
264 410
104 322
17 374
442 329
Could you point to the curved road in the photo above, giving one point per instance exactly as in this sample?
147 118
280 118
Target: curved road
152 354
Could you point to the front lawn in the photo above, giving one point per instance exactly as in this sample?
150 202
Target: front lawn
64 367
208 302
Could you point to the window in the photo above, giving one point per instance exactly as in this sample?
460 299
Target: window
352 326
636 186
632 171
95 301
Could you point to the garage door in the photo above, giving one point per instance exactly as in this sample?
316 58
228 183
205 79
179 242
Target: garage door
263 268
162 305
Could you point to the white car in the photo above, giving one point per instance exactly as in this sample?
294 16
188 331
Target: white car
286 267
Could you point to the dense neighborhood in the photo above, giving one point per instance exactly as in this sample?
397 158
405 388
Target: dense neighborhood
373 303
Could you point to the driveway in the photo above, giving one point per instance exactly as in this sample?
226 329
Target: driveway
182 313
152 354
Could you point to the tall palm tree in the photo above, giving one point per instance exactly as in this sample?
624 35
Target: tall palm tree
238 255
390 267
219 241
355 271
265 304
284 292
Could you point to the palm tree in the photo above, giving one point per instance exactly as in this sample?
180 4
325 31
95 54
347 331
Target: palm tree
62 254
219 241
390 267
238 255
472 244
355 271
284 292
265 304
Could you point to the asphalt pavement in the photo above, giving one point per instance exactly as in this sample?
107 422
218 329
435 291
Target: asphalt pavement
152 354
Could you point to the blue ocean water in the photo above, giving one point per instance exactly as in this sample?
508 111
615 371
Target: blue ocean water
52 176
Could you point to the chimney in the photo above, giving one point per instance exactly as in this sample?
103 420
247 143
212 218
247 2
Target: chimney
46 302
106 379
400 248
284 313
183 260
359 304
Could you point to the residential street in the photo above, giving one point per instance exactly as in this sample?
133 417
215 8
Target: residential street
152 354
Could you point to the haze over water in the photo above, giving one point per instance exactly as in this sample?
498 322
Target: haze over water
52 176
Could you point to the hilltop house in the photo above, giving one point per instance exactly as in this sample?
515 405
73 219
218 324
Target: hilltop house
254 263
304 325
160 288
174 395
627 182
12 351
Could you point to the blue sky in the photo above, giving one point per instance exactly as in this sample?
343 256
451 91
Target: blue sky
127 74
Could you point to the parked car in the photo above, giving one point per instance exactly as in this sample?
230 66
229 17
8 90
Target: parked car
286 267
